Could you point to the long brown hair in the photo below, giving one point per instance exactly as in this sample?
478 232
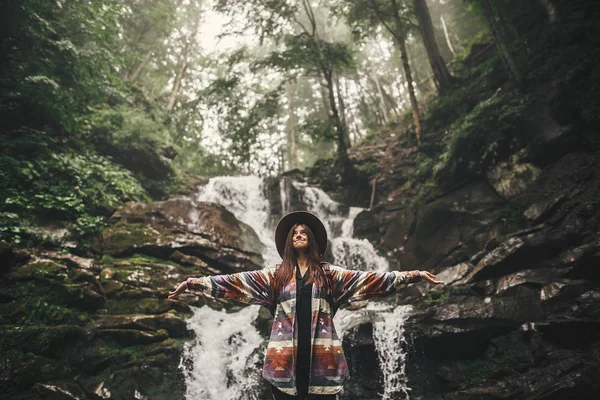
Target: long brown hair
287 268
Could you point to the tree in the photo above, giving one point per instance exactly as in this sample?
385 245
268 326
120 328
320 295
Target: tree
393 16
495 23
442 77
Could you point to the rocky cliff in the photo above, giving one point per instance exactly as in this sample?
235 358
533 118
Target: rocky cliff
79 328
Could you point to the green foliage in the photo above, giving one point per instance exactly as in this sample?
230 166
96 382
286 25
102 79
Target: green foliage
77 188
482 137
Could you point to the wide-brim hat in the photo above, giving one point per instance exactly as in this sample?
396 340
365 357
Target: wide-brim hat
300 217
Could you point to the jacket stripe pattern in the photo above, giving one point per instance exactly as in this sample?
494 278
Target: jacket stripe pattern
329 368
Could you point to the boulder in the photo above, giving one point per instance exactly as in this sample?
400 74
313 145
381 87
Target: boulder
203 230
448 230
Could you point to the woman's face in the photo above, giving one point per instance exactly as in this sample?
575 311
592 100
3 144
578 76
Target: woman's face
300 238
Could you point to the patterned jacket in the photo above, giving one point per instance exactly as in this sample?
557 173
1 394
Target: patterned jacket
328 363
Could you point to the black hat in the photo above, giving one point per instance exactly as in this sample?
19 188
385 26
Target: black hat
300 217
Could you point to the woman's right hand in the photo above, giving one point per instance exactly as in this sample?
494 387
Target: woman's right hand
180 289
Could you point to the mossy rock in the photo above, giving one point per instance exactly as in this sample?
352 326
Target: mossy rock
47 341
122 236
40 269
131 337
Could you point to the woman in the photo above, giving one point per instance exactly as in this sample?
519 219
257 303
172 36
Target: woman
303 294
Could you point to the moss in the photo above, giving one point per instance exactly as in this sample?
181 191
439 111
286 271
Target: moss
138 306
123 235
474 371
39 304
43 270
481 138
445 293
106 260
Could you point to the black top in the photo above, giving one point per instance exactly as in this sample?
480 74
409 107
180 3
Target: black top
304 317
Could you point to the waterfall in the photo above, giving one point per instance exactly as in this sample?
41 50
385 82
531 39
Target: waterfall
390 343
228 343
221 362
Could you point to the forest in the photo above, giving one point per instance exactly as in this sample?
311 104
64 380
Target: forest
465 130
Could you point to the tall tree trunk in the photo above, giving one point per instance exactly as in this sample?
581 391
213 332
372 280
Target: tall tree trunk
191 40
401 41
291 129
140 67
386 116
342 108
550 9
447 35
342 149
442 77
509 62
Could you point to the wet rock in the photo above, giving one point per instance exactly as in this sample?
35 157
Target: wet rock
452 228
175 326
454 274
521 252
202 230
400 228
111 287
59 391
147 305
132 337
538 211
71 260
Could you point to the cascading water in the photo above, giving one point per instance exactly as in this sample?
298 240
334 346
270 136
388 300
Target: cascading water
222 362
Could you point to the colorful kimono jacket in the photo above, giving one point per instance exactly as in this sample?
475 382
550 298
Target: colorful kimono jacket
328 364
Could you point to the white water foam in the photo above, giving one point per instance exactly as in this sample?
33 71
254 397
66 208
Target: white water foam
221 363
243 197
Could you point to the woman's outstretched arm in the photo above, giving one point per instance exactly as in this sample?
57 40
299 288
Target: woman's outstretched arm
349 286
252 287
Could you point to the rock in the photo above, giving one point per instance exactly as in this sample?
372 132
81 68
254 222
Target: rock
538 277
511 178
450 229
40 269
454 274
538 211
132 337
203 230
98 391
111 287
400 228
71 260
147 306
531 250
191 186
175 326
59 391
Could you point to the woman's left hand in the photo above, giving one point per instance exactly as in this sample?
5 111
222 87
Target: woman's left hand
429 277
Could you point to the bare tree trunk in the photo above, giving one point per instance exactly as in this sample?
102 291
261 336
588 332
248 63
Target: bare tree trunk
442 77
391 101
140 67
550 9
291 129
411 90
401 41
508 60
326 105
342 107
339 128
386 116
191 40
447 36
